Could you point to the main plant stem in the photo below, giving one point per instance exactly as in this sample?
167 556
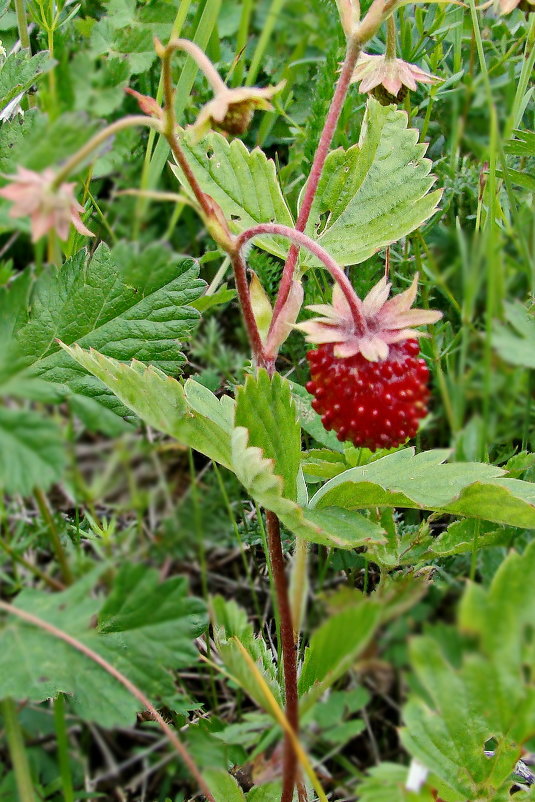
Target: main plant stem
288 653
242 288
331 121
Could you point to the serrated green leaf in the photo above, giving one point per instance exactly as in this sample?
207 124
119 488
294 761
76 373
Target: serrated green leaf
231 625
195 417
190 413
128 32
488 694
31 451
374 193
335 646
461 536
149 627
327 527
124 302
223 786
519 463
422 481
146 629
244 183
264 406
19 71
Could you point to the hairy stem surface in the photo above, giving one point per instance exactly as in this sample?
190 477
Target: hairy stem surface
288 653
331 121
242 287
99 138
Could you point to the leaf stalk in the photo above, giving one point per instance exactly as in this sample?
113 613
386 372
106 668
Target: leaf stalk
331 121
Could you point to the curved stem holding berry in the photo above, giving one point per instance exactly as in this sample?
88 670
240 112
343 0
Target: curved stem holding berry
242 288
288 653
301 240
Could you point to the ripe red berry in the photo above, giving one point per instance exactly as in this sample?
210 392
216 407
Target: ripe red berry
372 404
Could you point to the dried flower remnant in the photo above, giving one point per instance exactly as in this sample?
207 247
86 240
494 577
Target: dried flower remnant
147 104
506 6
49 208
386 77
231 110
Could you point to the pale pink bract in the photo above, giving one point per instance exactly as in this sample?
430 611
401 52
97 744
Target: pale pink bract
385 322
392 73
49 209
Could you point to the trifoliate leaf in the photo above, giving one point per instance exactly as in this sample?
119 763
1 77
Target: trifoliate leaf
195 417
374 193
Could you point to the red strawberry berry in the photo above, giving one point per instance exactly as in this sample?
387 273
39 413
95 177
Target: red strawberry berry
368 383
372 404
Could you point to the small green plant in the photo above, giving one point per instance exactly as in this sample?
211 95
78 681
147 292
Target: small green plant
100 333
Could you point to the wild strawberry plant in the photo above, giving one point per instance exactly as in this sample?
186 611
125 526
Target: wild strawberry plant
95 330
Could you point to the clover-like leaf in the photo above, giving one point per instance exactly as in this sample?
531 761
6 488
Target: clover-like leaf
374 193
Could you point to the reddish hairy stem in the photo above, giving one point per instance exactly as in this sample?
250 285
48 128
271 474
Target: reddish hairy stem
288 653
242 287
178 153
133 689
303 240
236 258
169 124
331 121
